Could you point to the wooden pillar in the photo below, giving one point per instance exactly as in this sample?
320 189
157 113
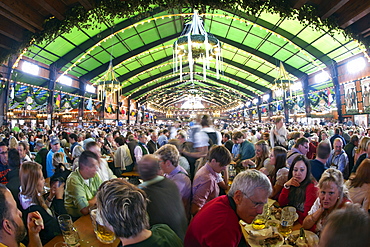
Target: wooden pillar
259 109
81 106
334 75
128 110
4 99
286 110
118 104
307 105
51 86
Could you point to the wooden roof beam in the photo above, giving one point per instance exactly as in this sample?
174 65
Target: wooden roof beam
352 12
23 12
5 42
86 4
11 30
56 8
330 7
297 4
15 19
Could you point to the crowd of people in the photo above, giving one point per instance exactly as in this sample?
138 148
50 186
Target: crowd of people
197 179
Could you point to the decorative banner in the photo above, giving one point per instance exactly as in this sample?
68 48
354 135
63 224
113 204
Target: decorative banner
89 104
57 102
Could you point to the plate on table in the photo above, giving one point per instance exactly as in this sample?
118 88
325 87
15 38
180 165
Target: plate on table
312 238
276 240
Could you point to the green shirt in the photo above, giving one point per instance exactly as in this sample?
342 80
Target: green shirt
78 193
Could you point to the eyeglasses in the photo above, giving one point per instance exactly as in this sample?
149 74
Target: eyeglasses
255 204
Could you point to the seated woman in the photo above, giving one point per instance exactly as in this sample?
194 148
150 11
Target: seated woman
300 190
61 170
359 186
276 170
261 157
332 196
31 200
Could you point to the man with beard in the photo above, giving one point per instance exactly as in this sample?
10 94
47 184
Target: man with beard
4 168
12 229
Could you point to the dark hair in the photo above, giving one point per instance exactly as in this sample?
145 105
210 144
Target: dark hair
221 154
120 140
3 144
354 138
323 150
297 195
206 120
280 154
301 141
4 208
73 136
14 161
226 135
84 158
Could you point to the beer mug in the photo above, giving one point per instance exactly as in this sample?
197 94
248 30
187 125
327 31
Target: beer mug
70 234
102 233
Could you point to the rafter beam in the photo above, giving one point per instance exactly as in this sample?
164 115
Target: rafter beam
56 8
16 20
86 4
75 52
11 29
97 71
297 4
23 12
330 7
352 12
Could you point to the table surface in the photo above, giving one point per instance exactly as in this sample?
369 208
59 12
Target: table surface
87 236
131 174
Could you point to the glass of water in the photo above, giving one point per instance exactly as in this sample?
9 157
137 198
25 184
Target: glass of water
69 232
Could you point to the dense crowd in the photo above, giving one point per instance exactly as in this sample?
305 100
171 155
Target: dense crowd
197 179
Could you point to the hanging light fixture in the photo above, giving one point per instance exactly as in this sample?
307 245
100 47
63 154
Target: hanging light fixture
282 87
196 45
109 85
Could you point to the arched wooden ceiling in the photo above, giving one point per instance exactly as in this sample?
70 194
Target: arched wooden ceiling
140 47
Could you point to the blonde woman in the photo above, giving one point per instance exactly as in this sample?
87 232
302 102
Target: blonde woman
261 157
332 196
31 199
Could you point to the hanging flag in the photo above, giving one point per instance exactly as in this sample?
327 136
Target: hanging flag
57 102
12 93
89 104
329 96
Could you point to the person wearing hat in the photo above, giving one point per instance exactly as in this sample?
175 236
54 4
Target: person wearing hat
55 148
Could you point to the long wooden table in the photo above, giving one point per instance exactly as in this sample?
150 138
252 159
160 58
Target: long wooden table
87 236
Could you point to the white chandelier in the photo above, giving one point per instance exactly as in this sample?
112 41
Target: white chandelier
195 44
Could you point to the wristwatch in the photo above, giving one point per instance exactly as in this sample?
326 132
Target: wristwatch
286 186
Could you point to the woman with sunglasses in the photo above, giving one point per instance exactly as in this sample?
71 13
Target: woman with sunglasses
300 190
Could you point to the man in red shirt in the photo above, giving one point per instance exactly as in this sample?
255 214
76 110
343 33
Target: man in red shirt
217 223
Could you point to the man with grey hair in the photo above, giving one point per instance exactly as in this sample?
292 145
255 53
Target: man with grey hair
338 158
217 223
122 207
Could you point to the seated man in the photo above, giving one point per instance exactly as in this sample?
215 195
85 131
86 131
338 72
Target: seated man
169 163
205 183
82 185
122 208
104 172
165 204
12 230
217 223
4 168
